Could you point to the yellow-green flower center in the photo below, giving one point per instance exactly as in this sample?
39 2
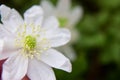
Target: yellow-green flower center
29 42
63 22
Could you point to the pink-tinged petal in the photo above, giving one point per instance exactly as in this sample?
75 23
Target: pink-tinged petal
34 15
10 18
15 67
37 70
55 59
5 55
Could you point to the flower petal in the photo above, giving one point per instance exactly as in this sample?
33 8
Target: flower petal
2 56
1 31
4 32
39 71
51 22
58 37
47 7
64 5
7 46
68 52
76 15
10 18
1 45
5 55
56 59
74 34
34 15
15 67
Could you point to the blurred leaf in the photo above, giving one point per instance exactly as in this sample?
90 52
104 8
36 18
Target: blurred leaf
102 17
112 53
88 24
97 39
114 27
109 4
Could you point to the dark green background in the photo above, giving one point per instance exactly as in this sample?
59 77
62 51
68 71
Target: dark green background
98 48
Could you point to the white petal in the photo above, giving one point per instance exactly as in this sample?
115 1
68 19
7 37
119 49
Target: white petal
51 23
76 15
1 31
47 7
10 18
4 32
39 71
3 55
1 45
74 34
68 52
58 37
64 5
34 15
56 59
15 67
8 45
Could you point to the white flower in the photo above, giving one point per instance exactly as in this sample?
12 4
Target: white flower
67 18
28 44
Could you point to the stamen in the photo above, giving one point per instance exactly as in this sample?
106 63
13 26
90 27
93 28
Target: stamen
28 41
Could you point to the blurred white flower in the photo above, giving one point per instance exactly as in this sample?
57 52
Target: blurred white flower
67 18
28 44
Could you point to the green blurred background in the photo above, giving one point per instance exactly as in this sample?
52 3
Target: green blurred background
98 48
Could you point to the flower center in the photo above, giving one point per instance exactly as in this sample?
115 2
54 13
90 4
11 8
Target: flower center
63 22
29 42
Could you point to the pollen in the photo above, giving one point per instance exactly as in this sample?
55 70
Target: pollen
29 42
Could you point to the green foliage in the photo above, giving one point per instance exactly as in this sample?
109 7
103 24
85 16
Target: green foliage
109 4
